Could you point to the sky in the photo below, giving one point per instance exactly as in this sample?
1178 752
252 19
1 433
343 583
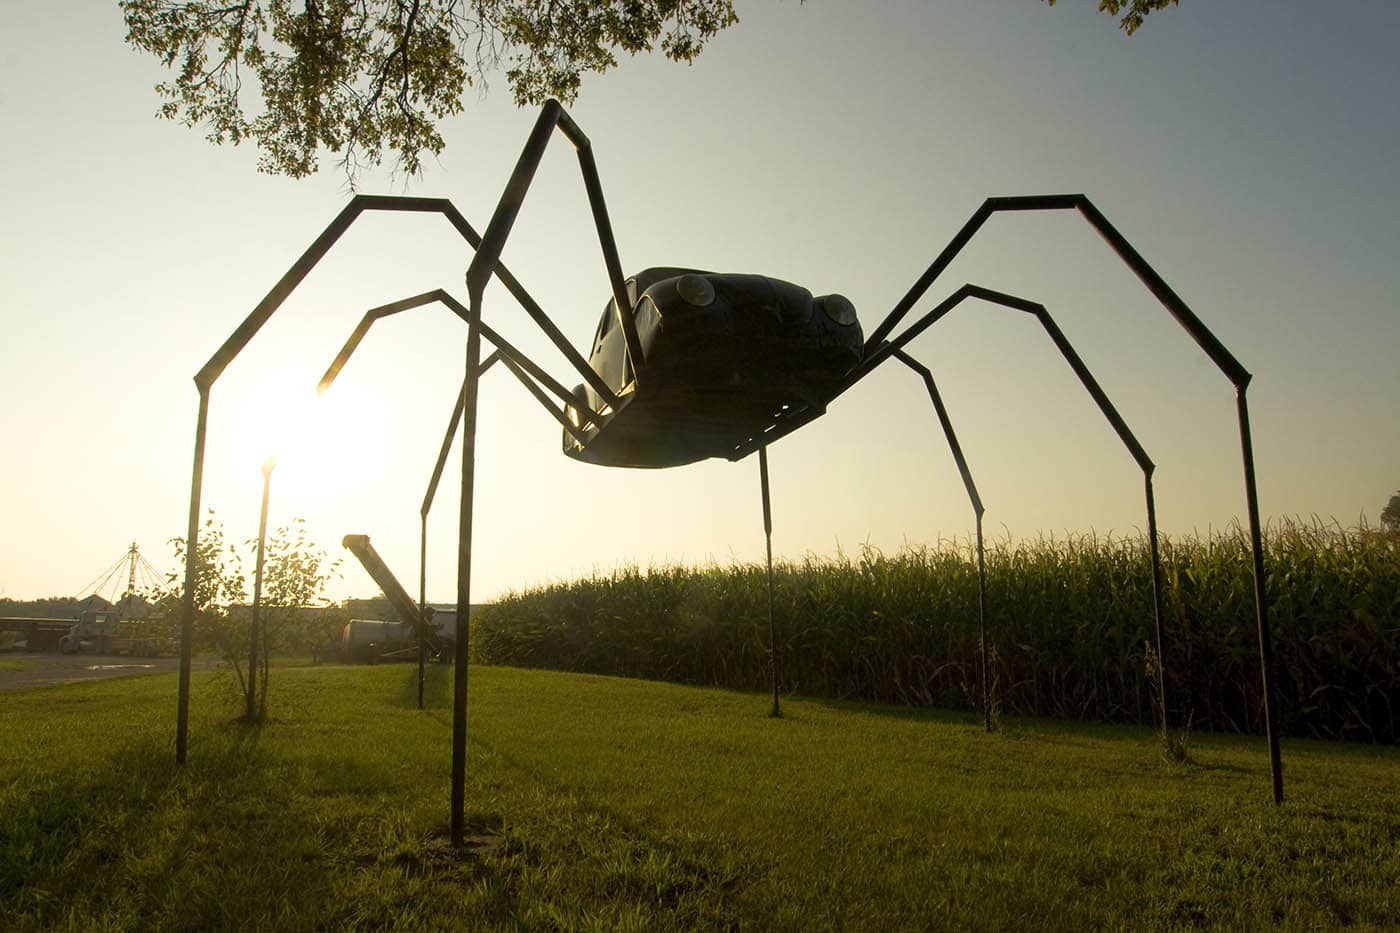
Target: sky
1247 149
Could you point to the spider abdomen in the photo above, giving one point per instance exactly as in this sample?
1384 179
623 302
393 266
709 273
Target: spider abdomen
723 356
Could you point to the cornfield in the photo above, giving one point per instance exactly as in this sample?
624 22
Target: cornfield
1069 621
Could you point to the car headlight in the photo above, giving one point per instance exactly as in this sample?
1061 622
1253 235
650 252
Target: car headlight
838 309
695 290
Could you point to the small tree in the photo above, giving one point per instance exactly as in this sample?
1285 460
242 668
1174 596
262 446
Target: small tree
219 586
1390 515
295 573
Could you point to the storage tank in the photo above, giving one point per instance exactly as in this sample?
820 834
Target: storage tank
444 624
367 639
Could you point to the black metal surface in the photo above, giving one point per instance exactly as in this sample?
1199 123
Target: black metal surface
982 627
1266 647
1163 683
182 708
422 597
504 348
448 436
255 626
464 572
724 354
482 267
776 711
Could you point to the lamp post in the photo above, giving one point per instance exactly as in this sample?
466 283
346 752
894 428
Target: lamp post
252 712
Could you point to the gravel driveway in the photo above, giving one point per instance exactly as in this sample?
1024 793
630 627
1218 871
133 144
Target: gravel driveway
20 671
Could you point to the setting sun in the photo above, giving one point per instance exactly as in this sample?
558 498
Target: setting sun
317 440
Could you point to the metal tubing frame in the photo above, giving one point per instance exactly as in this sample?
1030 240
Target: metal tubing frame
422 597
1117 242
1224 360
483 265
423 513
488 254
977 509
441 296
252 710
516 362
776 712
182 711
878 349
211 371
1106 407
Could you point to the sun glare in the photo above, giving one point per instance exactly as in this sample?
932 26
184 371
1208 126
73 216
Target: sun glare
316 441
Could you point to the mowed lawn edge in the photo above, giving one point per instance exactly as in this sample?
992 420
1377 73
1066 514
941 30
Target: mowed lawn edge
627 804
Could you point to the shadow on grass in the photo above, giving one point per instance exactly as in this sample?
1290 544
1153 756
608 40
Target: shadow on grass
238 838
437 686
144 842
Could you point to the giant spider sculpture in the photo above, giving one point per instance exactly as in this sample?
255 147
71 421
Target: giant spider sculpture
687 365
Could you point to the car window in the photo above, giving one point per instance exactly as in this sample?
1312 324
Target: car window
609 318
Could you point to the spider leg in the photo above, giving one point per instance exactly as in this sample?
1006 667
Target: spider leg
977 509
483 265
776 712
1105 405
210 372
877 349
525 370
333 232
505 350
487 258
1184 316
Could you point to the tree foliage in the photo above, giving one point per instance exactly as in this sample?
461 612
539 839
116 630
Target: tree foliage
1390 515
370 78
295 573
1133 12
362 77
219 585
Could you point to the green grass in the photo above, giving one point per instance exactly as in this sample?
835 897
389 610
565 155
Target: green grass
14 664
627 804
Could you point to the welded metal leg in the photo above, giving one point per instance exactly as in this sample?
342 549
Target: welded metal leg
464 575
252 711
768 536
422 596
1261 607
982 625
977 509
1157 600
182 716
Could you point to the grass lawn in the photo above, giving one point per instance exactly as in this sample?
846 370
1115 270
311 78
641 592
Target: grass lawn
634 805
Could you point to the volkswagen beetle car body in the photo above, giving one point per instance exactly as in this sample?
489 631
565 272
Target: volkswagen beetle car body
722 356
